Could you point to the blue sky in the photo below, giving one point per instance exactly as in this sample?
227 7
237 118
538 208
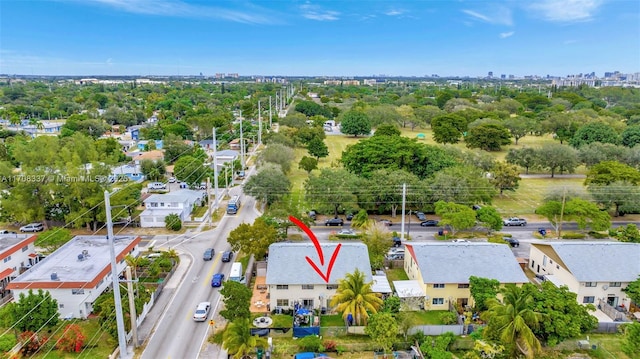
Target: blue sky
316 38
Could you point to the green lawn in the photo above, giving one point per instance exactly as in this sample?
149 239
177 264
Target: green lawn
396 274
426 317
334 320
532 191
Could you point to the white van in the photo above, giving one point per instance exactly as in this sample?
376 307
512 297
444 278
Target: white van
156 185
236 272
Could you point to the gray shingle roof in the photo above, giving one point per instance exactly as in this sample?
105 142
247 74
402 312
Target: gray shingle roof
287 262
600 261
456 262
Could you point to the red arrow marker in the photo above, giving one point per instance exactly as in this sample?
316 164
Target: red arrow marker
313 238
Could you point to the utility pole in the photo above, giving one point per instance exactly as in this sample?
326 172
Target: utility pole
241 143
215 170
122 340
132 308
259 125
404 201
564 200
270 120
209 201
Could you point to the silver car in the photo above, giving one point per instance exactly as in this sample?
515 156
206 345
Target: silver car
32 227
202 312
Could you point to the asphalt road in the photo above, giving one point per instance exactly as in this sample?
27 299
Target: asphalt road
176 334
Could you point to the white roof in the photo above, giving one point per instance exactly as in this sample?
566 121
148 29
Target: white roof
381 284
180 195
409 288
555 280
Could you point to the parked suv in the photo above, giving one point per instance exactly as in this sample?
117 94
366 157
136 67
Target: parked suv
514 221
334 222
421 216
512 241
32 227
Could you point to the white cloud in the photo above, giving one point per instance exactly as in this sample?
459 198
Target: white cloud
315 12
504 35
394 12
177 8
566 10
497 15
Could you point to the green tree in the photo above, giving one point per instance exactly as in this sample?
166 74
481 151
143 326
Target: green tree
237 301
354 296
174 148
448 128
483 289
270 184
628 233
317 148
505 177
238 341
308 164
173 222
595 132
584 213
253 239
633 290
356 123
53 238
624 197
519 127
190 170
378 240
608 172
524 157
277 154
331 188
34 311
387 129
360 219
456 216
490 218
153 170
383 330
557 157
462 184
488 137
514 322
631 136
389 196
631 342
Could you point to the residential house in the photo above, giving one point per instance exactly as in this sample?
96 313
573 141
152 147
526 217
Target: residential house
45 128
593 270
132 172
17 253
443 269
180 202
292 280
77 273
154 155
235 144
143 144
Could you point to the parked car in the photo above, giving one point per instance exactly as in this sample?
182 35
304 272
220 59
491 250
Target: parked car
460 241
515 221
208 254
476 207
429 223
347 232
217 279
395 253
227 256
397 242
156 185
32 227
313 215
334 222
421 216
349 216
386 222
512 241
172 180
4 231
202 312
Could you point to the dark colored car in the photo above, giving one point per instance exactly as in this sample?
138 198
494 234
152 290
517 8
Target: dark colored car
334 222
4 231
208 254
386 222
429 223
421 216
512 241
312 215
217 279
349 216
227 256
397 242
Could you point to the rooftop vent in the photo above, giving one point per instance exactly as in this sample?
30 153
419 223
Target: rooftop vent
80 257
54 276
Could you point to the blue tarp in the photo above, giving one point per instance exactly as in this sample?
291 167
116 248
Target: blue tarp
302 311
301 332
307 355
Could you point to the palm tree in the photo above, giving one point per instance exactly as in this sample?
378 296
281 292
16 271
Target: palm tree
355 297
513 320
238 341
133 262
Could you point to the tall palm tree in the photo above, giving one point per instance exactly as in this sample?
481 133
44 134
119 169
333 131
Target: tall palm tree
513 320
238 341
133 262
355 297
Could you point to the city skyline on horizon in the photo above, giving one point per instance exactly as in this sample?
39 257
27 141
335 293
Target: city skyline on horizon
319 39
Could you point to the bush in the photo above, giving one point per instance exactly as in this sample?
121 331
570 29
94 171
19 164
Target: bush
598 235
172 222
311 343
573 235
496 239
329 346
448 318
7 342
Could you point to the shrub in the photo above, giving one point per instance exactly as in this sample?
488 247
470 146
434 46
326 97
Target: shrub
573 235
172 222
329 346
311 343
340 349
7 342
598 235
72 339
448 318
497 239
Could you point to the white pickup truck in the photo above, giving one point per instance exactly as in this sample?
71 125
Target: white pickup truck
514 221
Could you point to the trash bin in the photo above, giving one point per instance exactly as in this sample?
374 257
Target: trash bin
440 232
542 231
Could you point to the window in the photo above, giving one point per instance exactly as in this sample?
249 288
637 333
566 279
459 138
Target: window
437 301
438 285
77 291
60 305
307 303
153 204
307 286
332 286
591 284
7 259
590 299
282 302
615 284
25 248
544 261
463 285
282 286
533 264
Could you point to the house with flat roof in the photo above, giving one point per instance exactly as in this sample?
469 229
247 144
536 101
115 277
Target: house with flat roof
131 171
593 270
180 202
17 254
443 269
292 280
77 273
